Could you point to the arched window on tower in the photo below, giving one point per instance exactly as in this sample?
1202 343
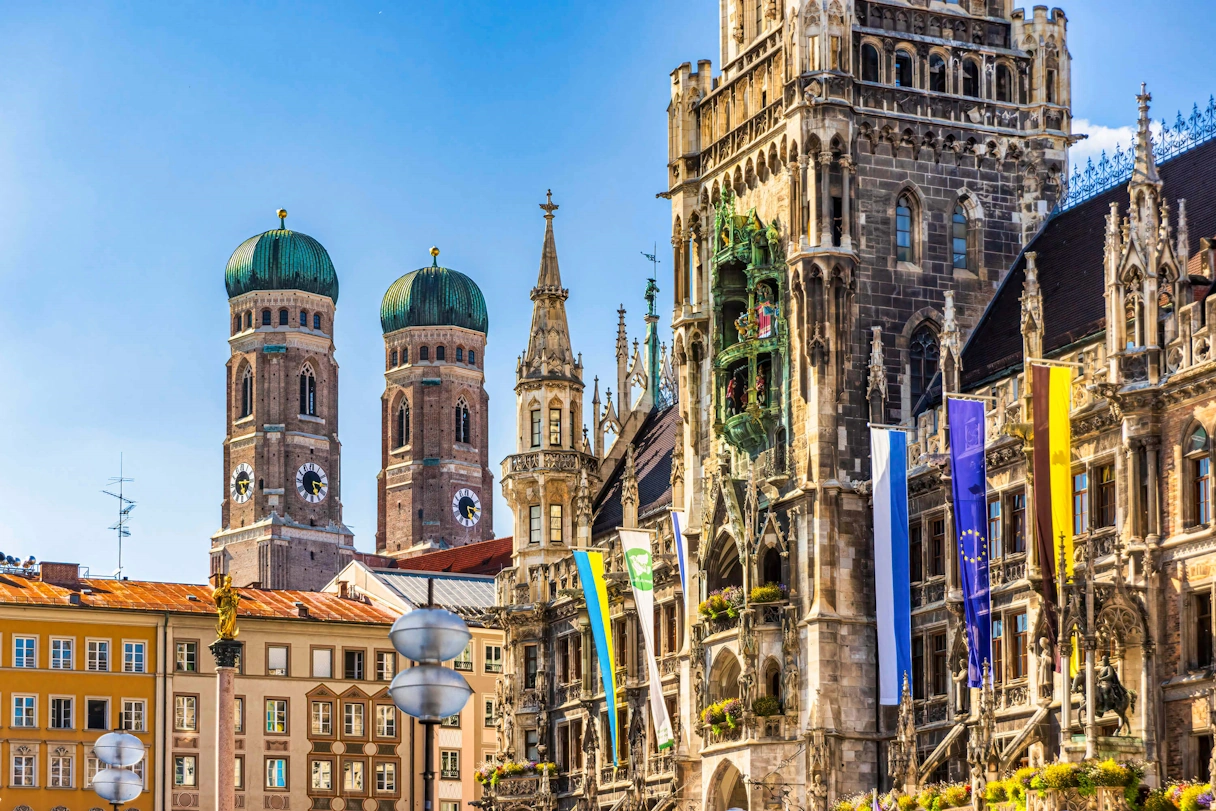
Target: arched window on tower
937 74
392 359
303 319
236 324
424 353
1004 83
958 237
460 354
246 392
283 318
869 63
316 321
1199 459
401 430
472 358
265 318
758 16
971 78
464 429
903 229
440 353
308 392
248 319
903 69
922 357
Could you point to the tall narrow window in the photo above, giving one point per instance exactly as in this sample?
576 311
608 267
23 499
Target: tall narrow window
316 321
472 358
424 353
283 318
918 668
441 353
937 548
916 554
937 74
923 355
392 359
995 547
265 318
460 354
1080 503
555 428
555 523
1004 84
1019 666
236 324
958 237
401 432
303 318
869 63
1200 461
463 432
248 319
1105 496
1203 630
535 415
940 676
998 649
534 523
903 229
1051 87
1015 507
247 392
903 69
308 392
971 78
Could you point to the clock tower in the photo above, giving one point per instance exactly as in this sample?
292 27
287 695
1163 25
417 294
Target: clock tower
435 489
282 512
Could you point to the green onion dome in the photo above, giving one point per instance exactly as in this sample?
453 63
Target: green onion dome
281 260
434 297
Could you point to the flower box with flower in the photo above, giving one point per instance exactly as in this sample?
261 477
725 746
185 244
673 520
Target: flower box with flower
722 715
490 774
722 607
769 593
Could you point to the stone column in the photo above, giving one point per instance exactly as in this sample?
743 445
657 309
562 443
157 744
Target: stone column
226 653
846 173
825 198
1151 455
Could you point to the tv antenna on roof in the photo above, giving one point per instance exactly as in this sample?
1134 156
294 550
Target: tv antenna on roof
125 505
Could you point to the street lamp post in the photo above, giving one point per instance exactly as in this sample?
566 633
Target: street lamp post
117 784
429 691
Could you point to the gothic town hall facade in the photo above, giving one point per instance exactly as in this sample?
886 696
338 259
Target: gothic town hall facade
886 182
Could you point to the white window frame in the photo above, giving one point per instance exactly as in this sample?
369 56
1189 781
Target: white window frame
54 780
142 705
50 708
179 776
89 653
84 718
348 718
139 650
33 699
449 764
348 772
92 765
30 775
186 701
277 773
71 657
314 718
34 657
315 775
190 648
386 776
285 670
497 660
386 721
286 710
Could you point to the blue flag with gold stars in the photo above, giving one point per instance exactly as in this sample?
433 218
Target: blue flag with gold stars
969 483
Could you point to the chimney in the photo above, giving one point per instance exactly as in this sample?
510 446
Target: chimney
60 574
302 610
343 589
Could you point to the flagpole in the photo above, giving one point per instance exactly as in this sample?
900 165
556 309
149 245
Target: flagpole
1046 362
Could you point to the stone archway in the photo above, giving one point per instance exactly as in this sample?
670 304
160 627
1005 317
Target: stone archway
727 789
724 676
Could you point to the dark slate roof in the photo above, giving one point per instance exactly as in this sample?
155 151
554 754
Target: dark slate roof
483 557
1071 248
652 449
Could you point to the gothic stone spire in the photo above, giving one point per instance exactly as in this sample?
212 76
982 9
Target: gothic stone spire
1146 163
549 353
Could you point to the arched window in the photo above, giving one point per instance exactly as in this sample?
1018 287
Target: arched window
770 569
971 78
922 356
424 353
246 392
869 63
464 431
316 321
1004 83
958 237
459 354
1199 459
236 324
283 318
265 318
248 319
401 431
303 319
308 392
440 353
903 69
1051 87
392 359
405 355
903 229
472 358
937 74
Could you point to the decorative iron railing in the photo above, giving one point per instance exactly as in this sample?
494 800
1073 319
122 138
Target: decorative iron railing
1168 142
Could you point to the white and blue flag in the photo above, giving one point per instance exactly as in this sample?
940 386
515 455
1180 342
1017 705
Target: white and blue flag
892 577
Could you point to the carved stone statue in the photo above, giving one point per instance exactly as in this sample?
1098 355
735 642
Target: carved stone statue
226 599
790 684
1046 668
817 796
961 690
746 688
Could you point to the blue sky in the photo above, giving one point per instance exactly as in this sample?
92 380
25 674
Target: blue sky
140 143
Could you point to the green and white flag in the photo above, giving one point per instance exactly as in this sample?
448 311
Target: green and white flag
636 546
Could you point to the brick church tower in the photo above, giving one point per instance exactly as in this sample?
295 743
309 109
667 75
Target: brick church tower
435 489
282 512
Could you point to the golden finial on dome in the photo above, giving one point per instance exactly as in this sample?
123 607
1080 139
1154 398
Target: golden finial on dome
282 218
434 257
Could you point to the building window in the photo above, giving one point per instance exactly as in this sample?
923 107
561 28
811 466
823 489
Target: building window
464 432
185 770
303 319
97 714
460 354
186 658
489 717
958 237
1004 84
276 715
323 775
185 713
401 433
61 713
352 775
276 772
903 229
246 392
308 392
971 78
1080 503
63 654
133 657
1018 655
61 771
238 772
322 718
555 523
283 318
937 74
386 665
392 359
352 720
534 523
555 428
995 547
24 769
1015 508
276 660
940 675
134 713
24 709
248 319
265 318
353 664
386 721
238 714
452 721
1203 630
869 63
937 547
449 764
1105 481
440 353
493 658
1200 462
1051 87
98 655
464 661
424 353
998 650
918 668
472 358
316 321
916 554
923 356
535 417
322 663
531 665
386 777
903 69
25 651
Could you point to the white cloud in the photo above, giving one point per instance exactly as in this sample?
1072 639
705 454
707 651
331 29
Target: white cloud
1100 138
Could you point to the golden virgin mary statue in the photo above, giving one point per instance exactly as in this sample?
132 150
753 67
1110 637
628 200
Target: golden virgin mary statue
226 599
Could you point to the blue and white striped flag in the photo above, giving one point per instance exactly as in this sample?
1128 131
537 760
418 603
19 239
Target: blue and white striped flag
892 578
677 528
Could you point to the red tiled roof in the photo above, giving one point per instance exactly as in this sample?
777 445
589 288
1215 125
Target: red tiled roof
483 557
142 595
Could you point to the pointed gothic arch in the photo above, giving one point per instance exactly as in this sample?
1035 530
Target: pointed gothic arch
463 424
401 424
308 390
245 402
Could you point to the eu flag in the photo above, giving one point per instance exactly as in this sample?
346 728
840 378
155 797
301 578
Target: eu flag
969 482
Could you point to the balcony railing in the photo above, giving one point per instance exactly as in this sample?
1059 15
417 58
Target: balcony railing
449 774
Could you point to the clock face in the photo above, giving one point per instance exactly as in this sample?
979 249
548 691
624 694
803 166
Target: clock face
240 486
466 506
311 483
